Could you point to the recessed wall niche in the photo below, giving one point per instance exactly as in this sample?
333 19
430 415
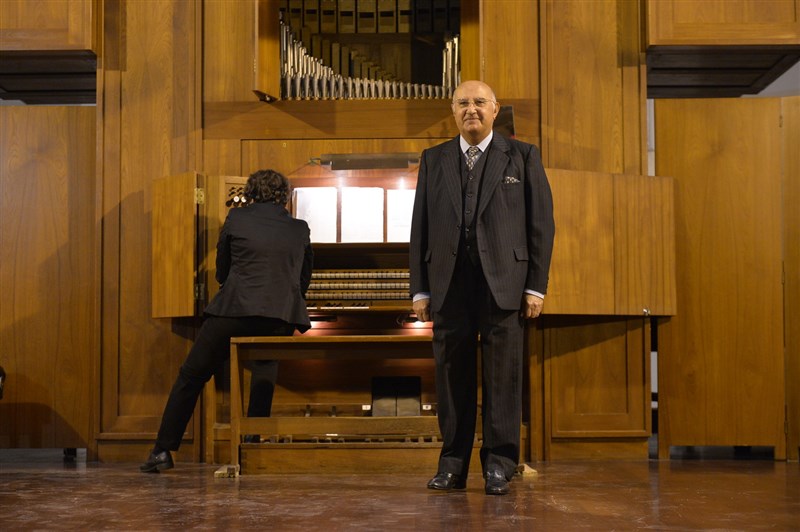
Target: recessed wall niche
358 49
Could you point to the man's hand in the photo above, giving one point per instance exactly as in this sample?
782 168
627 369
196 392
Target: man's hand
422 308
531 306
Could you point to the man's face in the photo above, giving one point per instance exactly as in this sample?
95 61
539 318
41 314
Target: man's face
474 109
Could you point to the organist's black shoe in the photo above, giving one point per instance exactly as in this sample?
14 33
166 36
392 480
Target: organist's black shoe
447 482
157 462
496 483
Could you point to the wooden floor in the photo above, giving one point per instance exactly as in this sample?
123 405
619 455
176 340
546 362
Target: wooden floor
40 491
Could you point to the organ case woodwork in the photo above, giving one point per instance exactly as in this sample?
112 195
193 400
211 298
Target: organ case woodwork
613 266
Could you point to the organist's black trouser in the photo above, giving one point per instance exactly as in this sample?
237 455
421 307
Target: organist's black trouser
211 349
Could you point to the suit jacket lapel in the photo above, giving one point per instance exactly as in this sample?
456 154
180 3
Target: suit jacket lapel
451 172
493 171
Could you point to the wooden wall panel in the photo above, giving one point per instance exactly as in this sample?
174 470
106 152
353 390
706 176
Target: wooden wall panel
223 157
581 275
49 318
790 110
229 50
399 119
471 41
510 29
732 22
644 245
593 92
721 363
150 128
48 25
267 58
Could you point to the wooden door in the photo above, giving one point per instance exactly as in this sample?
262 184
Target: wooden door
721 359
176 237
596 387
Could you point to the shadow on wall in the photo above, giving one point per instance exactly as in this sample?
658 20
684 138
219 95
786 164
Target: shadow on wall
33 425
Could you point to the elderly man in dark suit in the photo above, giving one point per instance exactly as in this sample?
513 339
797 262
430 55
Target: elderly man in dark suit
264 262
481 240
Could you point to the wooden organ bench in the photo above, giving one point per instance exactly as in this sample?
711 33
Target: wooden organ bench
290 438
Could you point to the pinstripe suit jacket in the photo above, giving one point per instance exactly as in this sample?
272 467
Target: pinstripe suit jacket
514 225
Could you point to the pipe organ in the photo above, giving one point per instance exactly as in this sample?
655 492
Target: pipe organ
357 288
334 384
337 56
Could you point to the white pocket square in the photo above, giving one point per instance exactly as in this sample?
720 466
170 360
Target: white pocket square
510 179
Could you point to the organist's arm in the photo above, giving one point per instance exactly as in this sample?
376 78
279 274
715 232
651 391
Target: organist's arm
223 253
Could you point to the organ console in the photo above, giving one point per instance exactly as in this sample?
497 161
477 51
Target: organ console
351 289
357 289
613 258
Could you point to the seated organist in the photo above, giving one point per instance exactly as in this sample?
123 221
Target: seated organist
264 262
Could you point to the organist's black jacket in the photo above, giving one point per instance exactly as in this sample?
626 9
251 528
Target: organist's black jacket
264 262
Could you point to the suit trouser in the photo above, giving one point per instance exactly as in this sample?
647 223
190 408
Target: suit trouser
469 310
209 351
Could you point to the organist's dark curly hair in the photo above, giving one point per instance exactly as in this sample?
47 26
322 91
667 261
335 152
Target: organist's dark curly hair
267 186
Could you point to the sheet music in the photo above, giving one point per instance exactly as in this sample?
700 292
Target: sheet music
399 206
317 206
362 214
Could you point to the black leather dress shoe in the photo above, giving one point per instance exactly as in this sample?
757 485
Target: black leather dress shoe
447 482
496 483
157 462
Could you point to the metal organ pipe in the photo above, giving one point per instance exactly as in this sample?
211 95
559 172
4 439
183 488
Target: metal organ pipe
305 77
